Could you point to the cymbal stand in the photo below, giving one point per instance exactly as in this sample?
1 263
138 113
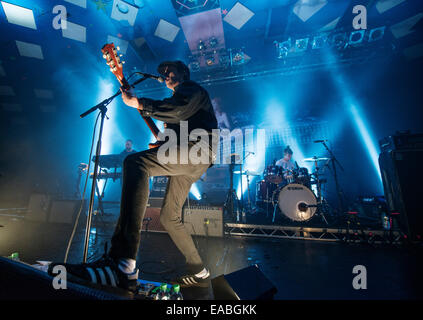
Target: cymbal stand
231 196
319 192
339 191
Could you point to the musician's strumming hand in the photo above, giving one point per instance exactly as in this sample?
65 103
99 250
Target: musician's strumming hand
130 99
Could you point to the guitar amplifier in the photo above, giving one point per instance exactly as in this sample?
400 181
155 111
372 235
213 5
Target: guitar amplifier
203 220
402 176
38 207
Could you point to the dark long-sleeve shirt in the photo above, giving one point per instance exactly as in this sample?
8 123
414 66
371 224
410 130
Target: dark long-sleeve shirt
189 102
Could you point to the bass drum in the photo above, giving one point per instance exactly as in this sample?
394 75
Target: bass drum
294 200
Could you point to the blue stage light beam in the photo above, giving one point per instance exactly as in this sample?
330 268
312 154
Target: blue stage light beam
195 192
366 138
358 116
255 147
112 135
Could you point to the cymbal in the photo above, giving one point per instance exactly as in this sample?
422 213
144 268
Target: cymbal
313 159
247 173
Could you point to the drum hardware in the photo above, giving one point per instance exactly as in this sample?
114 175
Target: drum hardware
273 174
247 174
334 163
231 196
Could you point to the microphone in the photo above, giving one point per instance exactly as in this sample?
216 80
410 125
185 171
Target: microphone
152 76
319 141
249 152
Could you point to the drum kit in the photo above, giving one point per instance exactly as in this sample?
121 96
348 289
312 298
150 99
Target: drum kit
290 191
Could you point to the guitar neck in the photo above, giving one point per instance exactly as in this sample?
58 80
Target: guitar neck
150 123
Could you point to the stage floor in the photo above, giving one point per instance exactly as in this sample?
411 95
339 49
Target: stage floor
299 269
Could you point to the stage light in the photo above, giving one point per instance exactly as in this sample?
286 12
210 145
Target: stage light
376 34
339 40
283 48
213 42
356 37
238 58
319 41
301 45
194 66
195 192
209 59
201 46
224 59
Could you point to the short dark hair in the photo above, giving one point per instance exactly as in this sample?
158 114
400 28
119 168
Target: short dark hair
129 140
287 150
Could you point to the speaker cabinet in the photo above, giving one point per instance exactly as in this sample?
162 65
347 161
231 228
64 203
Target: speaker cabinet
204 221
63 211
38 207
402 178
245 284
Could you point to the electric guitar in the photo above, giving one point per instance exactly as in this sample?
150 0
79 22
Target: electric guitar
116 67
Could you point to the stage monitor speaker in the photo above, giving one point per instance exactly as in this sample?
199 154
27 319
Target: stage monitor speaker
245 284
63 211
402 177
204 221
38 207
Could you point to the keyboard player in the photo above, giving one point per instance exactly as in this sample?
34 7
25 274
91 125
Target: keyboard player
128 148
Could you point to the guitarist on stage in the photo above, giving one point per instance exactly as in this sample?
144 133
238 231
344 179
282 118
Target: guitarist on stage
189 102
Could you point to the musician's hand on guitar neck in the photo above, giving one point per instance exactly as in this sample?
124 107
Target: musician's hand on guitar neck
130 99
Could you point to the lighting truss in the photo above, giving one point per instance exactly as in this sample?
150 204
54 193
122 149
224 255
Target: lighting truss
314 234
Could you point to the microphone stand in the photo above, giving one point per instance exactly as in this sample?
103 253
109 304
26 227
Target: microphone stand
102 107
339 192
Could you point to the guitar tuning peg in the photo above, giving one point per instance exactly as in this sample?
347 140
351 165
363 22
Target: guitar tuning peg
123 62
121 55
104 56
118 48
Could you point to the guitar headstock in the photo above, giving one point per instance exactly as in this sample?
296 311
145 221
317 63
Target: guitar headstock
110 53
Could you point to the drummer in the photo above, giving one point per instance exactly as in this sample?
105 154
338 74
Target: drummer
287 164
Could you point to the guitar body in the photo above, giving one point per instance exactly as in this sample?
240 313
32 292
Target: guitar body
113 61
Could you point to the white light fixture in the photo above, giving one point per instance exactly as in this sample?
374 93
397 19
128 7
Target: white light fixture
166 30
30 50
123 11
385 5
305 9
405 27
75 32
238 16
19 15
80 3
